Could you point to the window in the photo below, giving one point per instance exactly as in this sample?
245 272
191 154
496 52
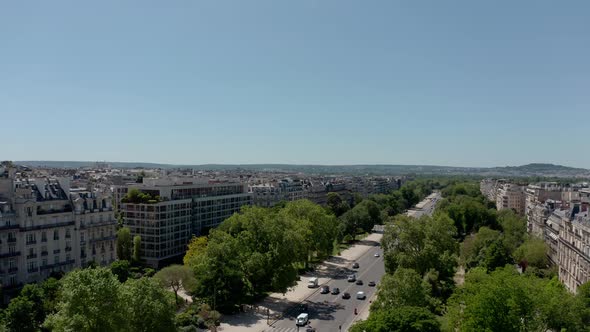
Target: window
55 235
56 259
81 236
44 262
68 235
12 249
12 264
43 236
68 257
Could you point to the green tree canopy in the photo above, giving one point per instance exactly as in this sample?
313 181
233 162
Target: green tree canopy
176 277
399 319
148 306
124 244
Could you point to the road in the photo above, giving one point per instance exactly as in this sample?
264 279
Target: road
328 312
426 207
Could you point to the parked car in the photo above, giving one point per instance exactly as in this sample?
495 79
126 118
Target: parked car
346 296
312 283
335 291
371 284
352 278
359 282
361 295
377 254
325 290
355 265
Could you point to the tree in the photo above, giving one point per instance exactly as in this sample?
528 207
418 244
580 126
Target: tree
20 315
513 229
473 248
533 252
124 244
176 277
400 319
196 247
136 248
90 301
211 317
507 301
336 204
148 306
121 269
404 288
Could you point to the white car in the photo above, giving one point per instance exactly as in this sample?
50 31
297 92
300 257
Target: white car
360 296
302 319
377 254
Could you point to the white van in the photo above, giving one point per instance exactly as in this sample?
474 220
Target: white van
302 319
312 283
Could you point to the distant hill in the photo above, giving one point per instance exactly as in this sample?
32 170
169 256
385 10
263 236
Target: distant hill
535 169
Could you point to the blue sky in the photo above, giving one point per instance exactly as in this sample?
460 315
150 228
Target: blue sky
467 83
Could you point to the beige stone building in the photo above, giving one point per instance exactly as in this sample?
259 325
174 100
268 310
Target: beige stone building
40 231
511 196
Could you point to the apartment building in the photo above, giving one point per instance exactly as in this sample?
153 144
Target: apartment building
574 250
40 231
178 209
511 196
269 194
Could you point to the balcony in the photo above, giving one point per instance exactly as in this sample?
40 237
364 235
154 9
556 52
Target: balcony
9 227
104 238
56 251
68 248
45 226
33 270
10 254
31 242
12 269
11 240
47 267
31 256
44 253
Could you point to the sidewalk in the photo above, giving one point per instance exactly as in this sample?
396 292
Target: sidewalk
278 302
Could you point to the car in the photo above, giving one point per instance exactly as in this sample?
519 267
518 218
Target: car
325 290
359 282
302 319
346 296
360 296
351 278
310 329
377 254
355 265
371 284
335 291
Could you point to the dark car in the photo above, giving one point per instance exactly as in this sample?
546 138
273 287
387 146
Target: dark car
355 265
310 329
325 290
359 282
335 291
371 284
346 296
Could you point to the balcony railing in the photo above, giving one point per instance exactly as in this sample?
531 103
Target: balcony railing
9 227
33 269
31 242
104 238
56 251
11 239
10 254
31 256
46 267
45 226
12 269
44 253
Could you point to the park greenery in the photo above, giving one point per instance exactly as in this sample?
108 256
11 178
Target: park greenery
419 292
508 286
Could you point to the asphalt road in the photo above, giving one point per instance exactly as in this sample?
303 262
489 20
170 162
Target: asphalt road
328 312
428 208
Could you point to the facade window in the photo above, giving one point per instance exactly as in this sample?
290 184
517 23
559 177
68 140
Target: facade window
68 235
43 236
55 235
56 259
12 249
44 262
81 236
12 264
68 257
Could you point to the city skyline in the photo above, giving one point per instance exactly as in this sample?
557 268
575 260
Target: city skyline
328 83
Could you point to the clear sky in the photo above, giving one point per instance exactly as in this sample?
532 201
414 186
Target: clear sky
466 83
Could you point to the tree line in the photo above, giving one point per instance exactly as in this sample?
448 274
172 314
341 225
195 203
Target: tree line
508 285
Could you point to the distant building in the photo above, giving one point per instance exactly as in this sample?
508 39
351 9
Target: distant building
180 209
269 194
574 250
511 196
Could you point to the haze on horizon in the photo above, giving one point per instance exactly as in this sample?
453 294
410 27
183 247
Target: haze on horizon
306 82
